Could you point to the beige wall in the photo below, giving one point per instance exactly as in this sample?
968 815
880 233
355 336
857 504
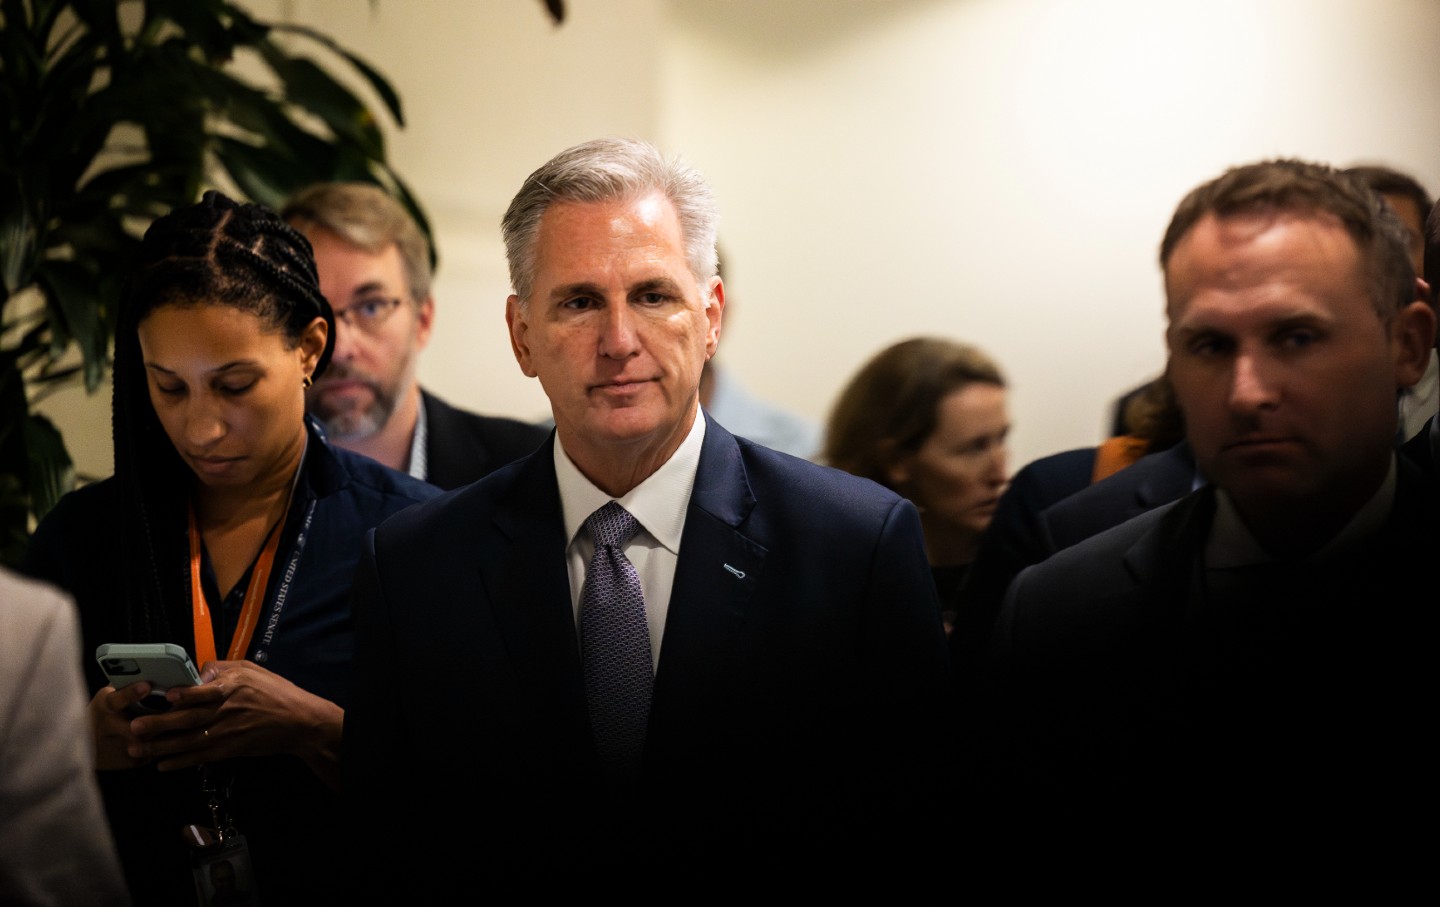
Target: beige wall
996 170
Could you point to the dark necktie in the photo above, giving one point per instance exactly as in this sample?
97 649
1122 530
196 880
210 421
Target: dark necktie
615 644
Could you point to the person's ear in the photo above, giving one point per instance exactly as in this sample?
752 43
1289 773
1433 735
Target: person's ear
1412 338
714 314
312 345
517 319
424 321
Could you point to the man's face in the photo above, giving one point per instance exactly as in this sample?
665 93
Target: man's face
373 365
617 330
1284 369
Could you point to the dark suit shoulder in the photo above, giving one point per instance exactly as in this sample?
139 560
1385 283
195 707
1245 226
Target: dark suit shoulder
380 480
1424 449
462 446
818 493
469 508
1095 568
1053 478
1013 541
1154 479
83 520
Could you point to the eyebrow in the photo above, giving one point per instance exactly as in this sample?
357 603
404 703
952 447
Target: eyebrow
229 366
370 288
656 283
587 288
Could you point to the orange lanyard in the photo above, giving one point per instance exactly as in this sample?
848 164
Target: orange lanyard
254 595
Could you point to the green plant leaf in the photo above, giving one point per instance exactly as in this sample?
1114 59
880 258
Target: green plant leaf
310 88
70 287
377 82
51 471
262 175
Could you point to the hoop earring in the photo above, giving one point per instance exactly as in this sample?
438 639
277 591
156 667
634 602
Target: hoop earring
308 383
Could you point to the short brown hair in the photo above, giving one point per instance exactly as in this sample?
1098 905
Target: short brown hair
1307 188
1389 181
369 218
891 406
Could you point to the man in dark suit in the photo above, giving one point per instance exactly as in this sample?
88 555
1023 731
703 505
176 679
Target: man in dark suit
1233 681
1050 505
781 714
375 268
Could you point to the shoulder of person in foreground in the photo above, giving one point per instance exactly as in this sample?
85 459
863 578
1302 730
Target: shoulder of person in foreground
55 844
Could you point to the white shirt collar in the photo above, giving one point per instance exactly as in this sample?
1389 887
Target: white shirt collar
419 468
658 503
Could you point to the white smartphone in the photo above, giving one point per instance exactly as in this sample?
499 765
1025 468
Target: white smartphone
163 664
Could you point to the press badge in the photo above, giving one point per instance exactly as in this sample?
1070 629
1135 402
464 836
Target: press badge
222 871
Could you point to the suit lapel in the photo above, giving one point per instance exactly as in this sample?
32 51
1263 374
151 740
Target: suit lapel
1163 559
716 576
529 591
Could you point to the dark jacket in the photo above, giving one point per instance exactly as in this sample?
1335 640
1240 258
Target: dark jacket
1139 703
461 446
798 712
288 817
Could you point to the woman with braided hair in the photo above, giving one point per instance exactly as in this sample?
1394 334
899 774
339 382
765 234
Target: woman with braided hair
232 529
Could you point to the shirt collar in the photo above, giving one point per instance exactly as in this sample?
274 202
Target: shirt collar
658 503
419 468
1232 545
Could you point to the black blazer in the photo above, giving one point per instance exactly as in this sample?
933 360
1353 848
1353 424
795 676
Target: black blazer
1133 703
1051 505
798 722
461 446
1154 479
1424 449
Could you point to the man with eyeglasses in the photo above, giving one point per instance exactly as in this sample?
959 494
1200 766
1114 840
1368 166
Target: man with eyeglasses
374 267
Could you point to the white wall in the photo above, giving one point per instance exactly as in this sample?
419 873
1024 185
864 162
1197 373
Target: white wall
996 170
1002 170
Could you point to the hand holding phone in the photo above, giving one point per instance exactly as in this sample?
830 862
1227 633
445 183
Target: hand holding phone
163 665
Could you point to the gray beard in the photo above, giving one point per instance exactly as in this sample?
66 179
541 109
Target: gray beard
354 424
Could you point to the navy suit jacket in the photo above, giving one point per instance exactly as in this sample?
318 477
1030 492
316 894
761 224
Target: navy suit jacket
462 446
1154 479
798 719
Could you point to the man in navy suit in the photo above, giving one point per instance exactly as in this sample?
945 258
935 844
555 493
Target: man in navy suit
1231 685
791 701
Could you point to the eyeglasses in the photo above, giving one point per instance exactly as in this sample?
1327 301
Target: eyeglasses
368 314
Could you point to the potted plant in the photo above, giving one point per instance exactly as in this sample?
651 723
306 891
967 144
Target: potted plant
111 114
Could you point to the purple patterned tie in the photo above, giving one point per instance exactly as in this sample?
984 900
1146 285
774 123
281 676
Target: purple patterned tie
615 643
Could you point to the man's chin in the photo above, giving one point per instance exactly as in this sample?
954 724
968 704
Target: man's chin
350 426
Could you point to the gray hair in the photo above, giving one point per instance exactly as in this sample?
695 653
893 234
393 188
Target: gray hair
369 218
605 170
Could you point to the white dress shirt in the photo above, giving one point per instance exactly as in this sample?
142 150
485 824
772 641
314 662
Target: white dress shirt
658 504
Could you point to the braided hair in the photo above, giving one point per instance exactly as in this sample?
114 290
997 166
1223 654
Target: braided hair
214 252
